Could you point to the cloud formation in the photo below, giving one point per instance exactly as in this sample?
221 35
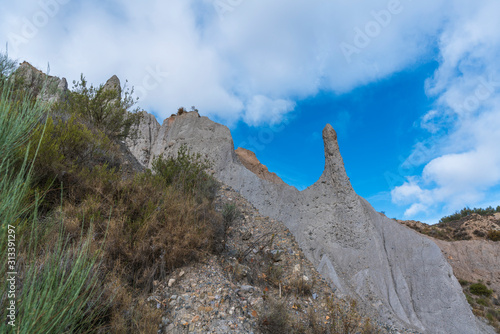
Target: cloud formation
465 163
253 60
225 57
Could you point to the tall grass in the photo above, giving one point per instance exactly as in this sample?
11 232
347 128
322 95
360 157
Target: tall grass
18 117
55 284
59 291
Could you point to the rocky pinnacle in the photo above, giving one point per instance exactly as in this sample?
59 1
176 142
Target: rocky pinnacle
395 273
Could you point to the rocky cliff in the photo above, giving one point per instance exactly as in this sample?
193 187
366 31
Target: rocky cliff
250 161
474 260
389 267
42 86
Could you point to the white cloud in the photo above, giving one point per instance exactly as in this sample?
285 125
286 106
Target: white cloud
262 108
252 60
415 209
280 50
463 163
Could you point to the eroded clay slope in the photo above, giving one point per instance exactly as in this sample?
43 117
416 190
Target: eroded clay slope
390 268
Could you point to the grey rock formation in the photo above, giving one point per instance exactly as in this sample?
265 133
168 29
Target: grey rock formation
113 83
142 145
250 161
44 87
397 273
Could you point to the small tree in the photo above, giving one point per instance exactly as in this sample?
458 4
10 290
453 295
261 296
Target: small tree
186 172
107 109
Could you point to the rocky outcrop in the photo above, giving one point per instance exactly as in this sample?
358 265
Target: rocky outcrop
474 260
471 227
113 84
250 161
465 245
390 268
141 145
44 87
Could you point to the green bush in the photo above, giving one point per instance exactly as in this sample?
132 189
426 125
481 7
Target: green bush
62 296
18 118
463 282
480 289
7 67
494 235
482 301
470 300
69 151
230 212
54 285
104 108
187 172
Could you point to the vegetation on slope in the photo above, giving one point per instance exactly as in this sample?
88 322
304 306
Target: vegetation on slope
90 237
467 212
477 224
90 241
483 302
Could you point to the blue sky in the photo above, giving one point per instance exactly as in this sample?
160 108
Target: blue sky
412 87
375 129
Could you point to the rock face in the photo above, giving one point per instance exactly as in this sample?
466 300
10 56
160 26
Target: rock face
113 83
396 272
250 161
44 87
474 260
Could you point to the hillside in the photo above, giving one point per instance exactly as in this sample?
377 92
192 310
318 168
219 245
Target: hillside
471 227
169 249
471 247
169 228
389 269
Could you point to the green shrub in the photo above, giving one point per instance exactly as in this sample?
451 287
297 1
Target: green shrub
483 301
69 151
494 235
470 300
104 108
7 67
480 289
463 282
230 212
18 117
62 295
187 172
54 285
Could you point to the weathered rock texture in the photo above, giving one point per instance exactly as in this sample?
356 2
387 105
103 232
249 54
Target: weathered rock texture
42 86
399 273
474 260
113 83
250 161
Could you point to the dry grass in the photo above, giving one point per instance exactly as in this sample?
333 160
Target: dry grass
144 231
301 285
143 227
274 318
